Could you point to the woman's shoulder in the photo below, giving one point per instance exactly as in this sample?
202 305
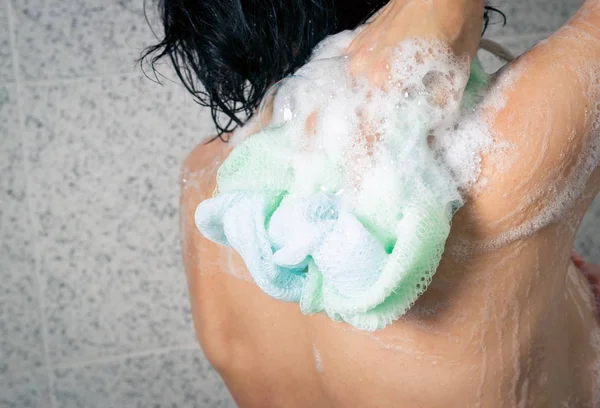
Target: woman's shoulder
201 164
198 181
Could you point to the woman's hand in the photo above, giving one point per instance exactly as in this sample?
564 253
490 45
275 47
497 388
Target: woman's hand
457 23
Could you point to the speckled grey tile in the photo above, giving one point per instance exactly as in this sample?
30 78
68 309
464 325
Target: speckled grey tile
25 390
57 38
104 185
21 346
6 67
588 237
181 379
517 45
531 16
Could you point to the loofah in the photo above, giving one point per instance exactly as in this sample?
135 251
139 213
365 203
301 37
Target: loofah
342 224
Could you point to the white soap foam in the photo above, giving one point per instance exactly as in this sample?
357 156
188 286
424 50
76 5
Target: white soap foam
362 126
318 360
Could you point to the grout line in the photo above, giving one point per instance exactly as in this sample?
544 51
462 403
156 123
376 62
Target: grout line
87 78
111 75
32 230
8 84
67 80
22 373
106 360
167 77
125 356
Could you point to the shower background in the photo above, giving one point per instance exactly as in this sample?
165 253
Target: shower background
93 303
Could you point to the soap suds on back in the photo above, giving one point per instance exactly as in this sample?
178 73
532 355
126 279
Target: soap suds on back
318 362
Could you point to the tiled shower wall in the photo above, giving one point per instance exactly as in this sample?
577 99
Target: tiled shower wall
93 302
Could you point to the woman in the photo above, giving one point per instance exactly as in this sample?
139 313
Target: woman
514 321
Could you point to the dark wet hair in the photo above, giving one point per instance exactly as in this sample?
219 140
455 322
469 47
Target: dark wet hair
228 53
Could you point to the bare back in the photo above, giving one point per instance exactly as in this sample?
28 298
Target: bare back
510 323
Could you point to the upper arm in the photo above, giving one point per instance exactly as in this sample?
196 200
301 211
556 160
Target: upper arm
548 124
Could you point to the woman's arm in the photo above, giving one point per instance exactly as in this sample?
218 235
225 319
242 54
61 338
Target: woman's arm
457 23
547 112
